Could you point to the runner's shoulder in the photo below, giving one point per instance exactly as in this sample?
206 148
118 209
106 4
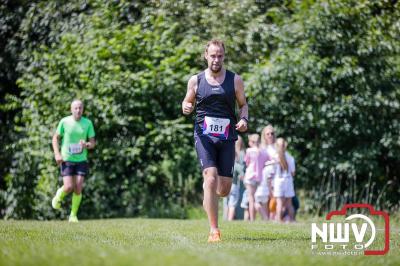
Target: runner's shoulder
66 119
237 78
193 78
86 120
192 83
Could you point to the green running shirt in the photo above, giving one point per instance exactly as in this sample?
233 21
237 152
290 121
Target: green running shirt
71 132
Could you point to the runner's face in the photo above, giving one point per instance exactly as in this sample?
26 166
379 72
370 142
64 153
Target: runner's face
269 136
215 58
77 110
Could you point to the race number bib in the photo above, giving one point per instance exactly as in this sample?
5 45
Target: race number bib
75 148
217 127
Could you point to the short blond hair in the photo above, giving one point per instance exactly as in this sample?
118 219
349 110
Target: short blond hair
77 101
255 138
215 42
264 131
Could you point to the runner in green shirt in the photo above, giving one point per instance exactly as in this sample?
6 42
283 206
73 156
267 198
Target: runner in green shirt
77 136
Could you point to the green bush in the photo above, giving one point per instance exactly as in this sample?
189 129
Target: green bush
332 89
132 80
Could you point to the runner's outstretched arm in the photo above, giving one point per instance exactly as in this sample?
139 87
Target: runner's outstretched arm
241 126
188 102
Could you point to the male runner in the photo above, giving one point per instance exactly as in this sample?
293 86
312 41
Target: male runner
215 91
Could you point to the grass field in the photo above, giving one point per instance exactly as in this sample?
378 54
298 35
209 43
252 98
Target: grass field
168 242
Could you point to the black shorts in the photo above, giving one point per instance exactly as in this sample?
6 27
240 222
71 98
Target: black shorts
213 152
74 168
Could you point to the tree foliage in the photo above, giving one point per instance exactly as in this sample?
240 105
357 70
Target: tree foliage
332 87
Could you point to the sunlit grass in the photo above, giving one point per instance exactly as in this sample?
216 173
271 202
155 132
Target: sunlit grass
167 242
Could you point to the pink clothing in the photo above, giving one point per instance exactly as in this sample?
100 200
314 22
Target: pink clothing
255 159
263 157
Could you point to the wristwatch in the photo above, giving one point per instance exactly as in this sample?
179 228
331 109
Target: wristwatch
245 119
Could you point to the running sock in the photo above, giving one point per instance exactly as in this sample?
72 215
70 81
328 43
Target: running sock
61 193
76 201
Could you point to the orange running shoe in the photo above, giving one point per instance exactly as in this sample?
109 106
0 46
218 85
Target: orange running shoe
214 236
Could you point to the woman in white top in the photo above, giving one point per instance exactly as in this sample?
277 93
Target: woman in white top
252 178
264 190
283 181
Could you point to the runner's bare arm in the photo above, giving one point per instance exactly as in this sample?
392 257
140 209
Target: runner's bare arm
241 126
89 144
56 148
188 102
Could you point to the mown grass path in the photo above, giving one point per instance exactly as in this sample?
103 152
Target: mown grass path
168 242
